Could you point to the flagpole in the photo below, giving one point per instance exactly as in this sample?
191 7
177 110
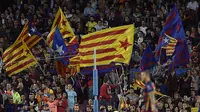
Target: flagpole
95 84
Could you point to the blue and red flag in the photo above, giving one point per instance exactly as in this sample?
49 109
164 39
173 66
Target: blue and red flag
174 28
148 60
101 69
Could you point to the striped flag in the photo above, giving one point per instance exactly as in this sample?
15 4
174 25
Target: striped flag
141 85
29 34
170 44
17 58
63 25
112 45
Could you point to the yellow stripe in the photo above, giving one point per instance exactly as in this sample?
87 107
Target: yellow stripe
21 69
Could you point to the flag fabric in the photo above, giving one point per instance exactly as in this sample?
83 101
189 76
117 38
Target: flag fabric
29 34
56 42
63 25
169 45
101 69
17 58
141 85
174 28
148 60
112 45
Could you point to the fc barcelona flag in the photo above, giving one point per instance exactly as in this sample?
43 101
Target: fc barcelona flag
148 60
112 45
173 28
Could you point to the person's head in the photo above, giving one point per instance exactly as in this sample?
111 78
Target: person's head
31 97
76 108
143 23
193 93
180 105
89 4
20 86
169 101
166 105
185 98
100 23
52 97
69 86
160 105
109 108
145 75
185 105
88 109
16 23
90 102
8 87
176 95
176 109
45 107
131 91
91 18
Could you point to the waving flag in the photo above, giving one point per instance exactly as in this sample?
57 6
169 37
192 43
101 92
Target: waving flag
56 42
63 25
17 58
112 45
174 28
30 35
148 60
141 85
169 45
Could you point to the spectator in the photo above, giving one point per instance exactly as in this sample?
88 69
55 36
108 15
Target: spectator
88 10
99 26
71 97
91 24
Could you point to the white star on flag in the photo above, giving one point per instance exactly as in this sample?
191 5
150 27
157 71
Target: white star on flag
166 40
32 29
59 49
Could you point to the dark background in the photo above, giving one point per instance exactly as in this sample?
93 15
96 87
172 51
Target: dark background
4 4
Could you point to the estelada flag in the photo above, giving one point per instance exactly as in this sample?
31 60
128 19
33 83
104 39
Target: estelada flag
17 58
63 25
29 35
112 45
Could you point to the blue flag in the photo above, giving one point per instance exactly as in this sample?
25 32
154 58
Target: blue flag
101 69
148 60
58 45
174 28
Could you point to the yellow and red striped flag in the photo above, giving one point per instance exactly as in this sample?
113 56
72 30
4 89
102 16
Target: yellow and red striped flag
171 44
17 58
29 34
141 85
112 45
63 25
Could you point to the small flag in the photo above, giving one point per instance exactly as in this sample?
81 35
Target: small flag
169 43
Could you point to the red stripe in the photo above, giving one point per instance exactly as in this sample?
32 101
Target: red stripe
32 41
110 33
20 66
170 18
58 20
98 51
65 33
101 59
171 45
16 61
12 49
16 54
51 37
98 43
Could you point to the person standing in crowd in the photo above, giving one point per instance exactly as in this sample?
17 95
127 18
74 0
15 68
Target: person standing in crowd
172 81
149 97
72 97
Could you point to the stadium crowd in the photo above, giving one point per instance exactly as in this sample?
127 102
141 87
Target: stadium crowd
33 91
